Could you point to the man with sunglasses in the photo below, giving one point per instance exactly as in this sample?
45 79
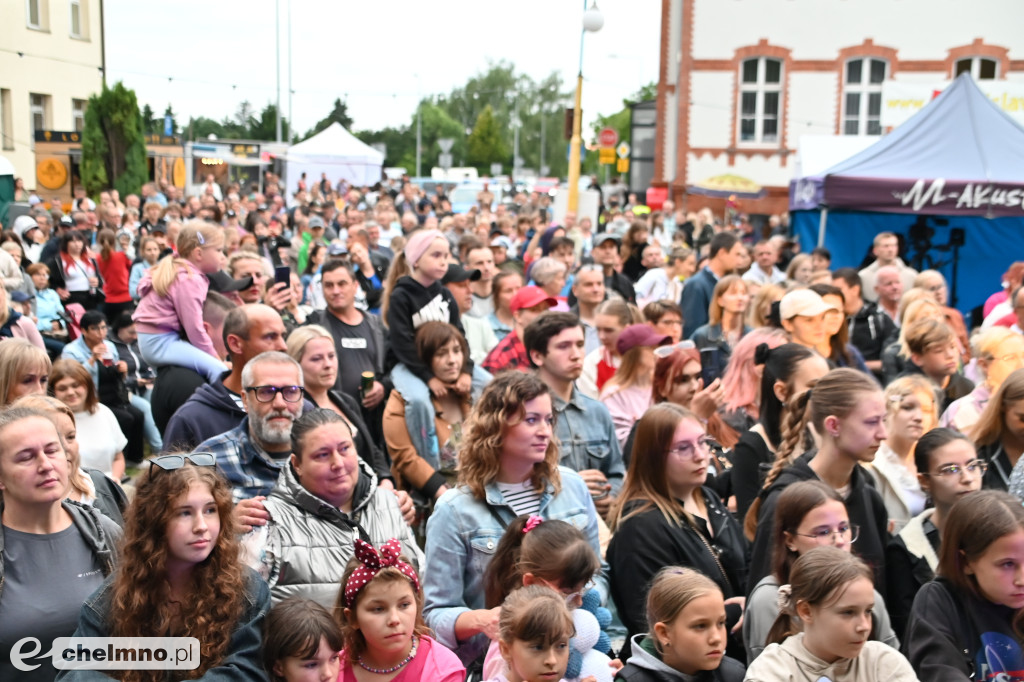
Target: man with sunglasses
251 455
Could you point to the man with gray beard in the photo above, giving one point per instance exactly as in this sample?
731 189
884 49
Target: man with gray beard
252 455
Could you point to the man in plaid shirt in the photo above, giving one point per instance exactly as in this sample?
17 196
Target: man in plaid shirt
510 353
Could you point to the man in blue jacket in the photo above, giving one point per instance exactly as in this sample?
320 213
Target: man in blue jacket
696 298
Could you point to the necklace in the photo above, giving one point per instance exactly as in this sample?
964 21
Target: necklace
388 671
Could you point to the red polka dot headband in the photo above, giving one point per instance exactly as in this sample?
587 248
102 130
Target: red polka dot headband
372 562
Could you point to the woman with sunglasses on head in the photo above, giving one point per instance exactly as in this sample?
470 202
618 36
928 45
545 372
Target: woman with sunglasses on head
181 575
947 468
53 552
665 516
809 514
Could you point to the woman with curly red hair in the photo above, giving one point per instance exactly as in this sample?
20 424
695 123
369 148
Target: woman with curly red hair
180 574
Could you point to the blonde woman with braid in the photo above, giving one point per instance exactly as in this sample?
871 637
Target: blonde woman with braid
847 410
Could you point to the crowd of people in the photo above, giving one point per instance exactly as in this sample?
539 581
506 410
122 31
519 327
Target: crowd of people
348 434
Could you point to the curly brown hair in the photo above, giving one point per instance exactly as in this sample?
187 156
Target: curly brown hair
140 605
500 407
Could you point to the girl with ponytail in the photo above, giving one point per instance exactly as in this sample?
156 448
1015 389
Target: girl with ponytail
824 625
787 371
847 410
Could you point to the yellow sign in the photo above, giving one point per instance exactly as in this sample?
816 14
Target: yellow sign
51 174
607 156
622 166
179 173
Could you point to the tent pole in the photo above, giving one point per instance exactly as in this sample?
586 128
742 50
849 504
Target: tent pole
821 227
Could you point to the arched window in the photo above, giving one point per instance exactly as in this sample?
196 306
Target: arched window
760 94
862 95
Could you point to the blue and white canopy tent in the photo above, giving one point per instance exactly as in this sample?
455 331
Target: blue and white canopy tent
950 180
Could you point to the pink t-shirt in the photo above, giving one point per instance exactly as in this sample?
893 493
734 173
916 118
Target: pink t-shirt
433 663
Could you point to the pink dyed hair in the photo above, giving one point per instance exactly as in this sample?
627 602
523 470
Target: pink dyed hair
741 383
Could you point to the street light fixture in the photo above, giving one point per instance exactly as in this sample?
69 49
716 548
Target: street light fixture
593 20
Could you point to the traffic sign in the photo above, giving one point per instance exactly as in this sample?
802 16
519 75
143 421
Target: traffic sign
622 166
445 143
444 161
608 137
607 156
623 150
495 169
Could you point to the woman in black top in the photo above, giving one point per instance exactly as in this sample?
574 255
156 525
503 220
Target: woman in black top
999 431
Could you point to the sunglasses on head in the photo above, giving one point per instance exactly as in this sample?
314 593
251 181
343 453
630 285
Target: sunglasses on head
665 351
172 462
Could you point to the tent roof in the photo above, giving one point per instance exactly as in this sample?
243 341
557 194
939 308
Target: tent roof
338 144
959 135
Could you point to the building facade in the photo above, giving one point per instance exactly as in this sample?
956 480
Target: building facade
51 62
741 81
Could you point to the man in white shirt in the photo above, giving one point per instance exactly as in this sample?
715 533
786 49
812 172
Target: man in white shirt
763 270
886 249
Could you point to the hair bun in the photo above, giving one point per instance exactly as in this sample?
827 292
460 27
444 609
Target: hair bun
761 353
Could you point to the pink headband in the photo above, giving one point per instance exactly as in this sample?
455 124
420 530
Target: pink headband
372 562
418 244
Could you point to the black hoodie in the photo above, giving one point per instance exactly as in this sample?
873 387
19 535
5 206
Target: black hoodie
863 504
410 306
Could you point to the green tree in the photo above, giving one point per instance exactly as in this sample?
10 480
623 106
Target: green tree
148 120
485 144
400 144
265 127
113 149
339 114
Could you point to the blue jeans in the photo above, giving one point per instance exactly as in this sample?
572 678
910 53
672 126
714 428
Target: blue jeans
169 349
156 442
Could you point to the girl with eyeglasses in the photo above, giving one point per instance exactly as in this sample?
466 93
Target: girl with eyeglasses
532 551
665 516
54 552
180 574
823 631
968 623
809 514
947 469
847 410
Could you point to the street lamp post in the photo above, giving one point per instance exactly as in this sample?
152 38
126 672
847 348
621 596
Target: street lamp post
593 20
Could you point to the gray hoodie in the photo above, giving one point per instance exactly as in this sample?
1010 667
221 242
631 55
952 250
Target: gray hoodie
645 665
792 662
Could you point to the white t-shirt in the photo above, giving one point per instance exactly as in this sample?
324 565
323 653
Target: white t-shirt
99 438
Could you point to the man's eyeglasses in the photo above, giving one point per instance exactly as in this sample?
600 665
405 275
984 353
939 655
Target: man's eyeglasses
849 532
665 351
975 466
266 394
690 449
172 462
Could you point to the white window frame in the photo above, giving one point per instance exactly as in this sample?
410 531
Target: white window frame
38 4
976 67
6 122
760 88
865 89
37 110
75 7
78 107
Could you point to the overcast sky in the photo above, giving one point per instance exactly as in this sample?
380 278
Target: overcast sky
375 55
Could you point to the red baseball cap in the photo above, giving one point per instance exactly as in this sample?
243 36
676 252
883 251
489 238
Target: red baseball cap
530 296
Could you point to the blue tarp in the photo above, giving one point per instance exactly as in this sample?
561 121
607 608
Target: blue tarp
990 246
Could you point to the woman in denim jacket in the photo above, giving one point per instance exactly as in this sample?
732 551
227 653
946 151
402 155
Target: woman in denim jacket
508 466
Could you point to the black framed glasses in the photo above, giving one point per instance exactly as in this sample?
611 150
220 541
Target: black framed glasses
975 466
172 462
847 531
266 394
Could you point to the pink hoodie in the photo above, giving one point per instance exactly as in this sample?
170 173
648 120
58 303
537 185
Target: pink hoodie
181 308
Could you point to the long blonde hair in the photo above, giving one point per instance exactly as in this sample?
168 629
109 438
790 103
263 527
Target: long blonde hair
193 235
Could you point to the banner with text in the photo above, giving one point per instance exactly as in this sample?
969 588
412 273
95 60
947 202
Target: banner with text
901 100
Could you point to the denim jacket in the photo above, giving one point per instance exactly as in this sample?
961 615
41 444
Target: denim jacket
463 533
587 437
242 660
